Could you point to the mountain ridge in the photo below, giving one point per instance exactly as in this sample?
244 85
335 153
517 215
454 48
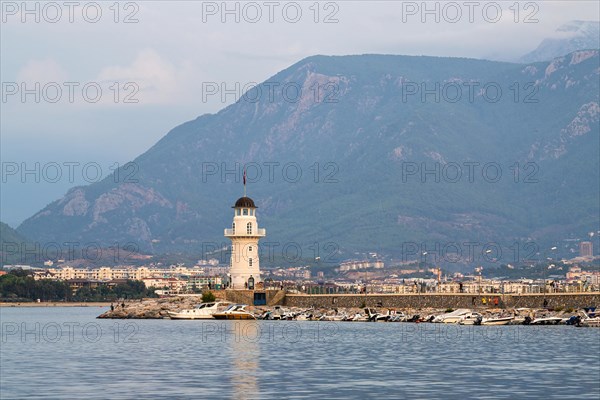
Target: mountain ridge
364 138
570 37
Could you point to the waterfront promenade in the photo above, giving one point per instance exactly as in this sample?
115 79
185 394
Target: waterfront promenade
56 304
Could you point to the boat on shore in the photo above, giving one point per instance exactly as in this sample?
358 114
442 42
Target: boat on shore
546 321
375 316
201 311
472 318
453 317
234 311
588 321
497 320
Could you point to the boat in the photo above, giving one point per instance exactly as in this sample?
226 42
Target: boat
358 317
589 321
453 317
335 317
472 318
546 321
234 311
375 316
398 316
497 320
201 311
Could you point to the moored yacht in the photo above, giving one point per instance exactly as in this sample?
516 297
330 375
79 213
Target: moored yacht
453 317
201 311
546 321
375 316
234 311
497 320
471 318
589 321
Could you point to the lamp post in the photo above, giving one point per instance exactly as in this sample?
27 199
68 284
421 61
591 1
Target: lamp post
487 252
549 267
552 249
424 254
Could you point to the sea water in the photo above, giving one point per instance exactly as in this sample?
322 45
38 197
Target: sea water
66 353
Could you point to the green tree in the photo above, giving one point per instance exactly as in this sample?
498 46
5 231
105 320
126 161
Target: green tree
208 297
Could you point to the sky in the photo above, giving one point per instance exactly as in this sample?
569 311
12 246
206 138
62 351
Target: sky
88 86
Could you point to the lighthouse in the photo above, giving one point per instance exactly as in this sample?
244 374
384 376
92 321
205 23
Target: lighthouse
244 267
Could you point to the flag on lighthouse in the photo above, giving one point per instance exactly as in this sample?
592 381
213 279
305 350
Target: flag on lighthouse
244 181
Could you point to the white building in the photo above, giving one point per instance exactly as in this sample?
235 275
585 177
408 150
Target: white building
201 282
355 265
244 266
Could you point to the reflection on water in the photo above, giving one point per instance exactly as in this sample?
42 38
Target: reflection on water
65 353
245 352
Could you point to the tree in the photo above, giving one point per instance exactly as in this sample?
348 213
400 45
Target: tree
208 297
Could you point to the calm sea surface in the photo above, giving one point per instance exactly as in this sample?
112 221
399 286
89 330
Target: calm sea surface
65 353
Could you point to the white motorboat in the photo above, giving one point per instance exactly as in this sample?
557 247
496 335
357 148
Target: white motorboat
398 316
358 317
590 322
453 317
546 321
234 311
335 317
376 316
587 321
201 311
472 318
497 320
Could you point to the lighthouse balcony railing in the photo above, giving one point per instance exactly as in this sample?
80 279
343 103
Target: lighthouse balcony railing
242 232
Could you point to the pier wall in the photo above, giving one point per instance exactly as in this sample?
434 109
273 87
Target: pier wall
440 301
274 297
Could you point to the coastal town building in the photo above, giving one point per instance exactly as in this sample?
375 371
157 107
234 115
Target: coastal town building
203 282
586 249
576 274
171 284
356 265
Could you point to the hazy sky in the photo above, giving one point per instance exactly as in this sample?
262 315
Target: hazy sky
162 53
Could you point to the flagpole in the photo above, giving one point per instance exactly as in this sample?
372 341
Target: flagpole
244 182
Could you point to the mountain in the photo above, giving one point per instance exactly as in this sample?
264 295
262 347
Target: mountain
11 243
9 235
335 143
572 36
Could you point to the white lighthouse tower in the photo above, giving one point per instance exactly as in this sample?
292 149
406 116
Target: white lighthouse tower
244 234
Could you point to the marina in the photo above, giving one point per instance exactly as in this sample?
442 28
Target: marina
183 308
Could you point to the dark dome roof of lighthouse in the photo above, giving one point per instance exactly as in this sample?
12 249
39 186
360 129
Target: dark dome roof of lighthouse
244 202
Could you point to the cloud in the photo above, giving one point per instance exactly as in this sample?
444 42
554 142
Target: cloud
46 70
158 80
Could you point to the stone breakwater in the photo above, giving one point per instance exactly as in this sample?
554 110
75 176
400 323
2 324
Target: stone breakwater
443 301
150 308
424 304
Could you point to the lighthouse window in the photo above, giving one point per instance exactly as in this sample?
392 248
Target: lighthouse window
249 248
233 227
249 262
238 211
251 212
249 228
245 211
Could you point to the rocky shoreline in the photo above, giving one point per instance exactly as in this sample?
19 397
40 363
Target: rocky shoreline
159 308
149 308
